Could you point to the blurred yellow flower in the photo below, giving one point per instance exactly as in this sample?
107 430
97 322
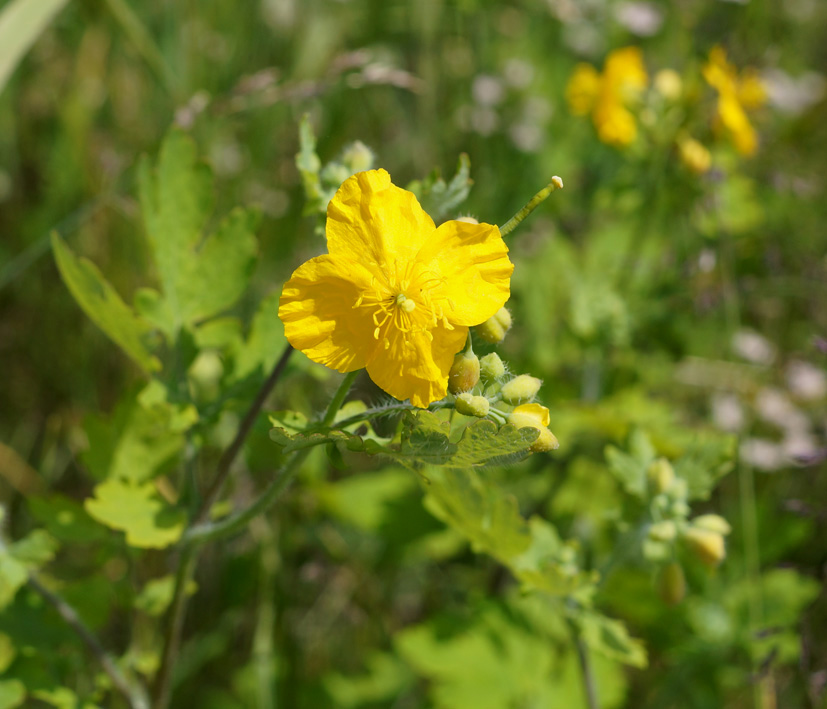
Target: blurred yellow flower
694 154
606 96
395 293
736 95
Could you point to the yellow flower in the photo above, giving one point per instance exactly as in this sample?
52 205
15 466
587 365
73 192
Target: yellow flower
694 155
736 95
606 96
395 293
535 416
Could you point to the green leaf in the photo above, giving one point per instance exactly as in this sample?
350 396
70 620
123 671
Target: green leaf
34 550
104 306
7 652
21 23
631 469
156 595
138 510
441 199
487 517
12 693
265 342
65 519
425 439
291 442
200 277
610 638
13 576
705 462
386 677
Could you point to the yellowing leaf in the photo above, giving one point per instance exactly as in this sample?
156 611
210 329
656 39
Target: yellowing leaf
138 510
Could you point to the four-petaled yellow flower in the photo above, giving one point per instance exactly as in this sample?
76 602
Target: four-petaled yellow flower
395 293
606 96
736 96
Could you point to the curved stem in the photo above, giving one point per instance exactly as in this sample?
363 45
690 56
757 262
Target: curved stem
339 398
133 693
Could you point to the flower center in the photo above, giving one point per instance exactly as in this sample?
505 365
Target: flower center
405 303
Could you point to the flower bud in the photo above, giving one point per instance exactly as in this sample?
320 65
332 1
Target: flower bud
493 330
706 545
661 475
467 219
334 173
664 531
471 405
465 373
358 157
713 523
668 84
535 416
672 584
520 390
492 367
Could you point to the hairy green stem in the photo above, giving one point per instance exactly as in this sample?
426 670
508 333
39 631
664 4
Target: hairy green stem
555 184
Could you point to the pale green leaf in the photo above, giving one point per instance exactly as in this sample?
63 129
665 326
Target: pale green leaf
104 306
156 595
13 575
138 510
610 638
34 550
386 677
441 199
65 519
706 461
476 508
266 340
12 693
21 23
631 469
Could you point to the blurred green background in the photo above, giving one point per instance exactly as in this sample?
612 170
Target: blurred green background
645 295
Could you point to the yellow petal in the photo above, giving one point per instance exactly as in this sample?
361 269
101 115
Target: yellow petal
319 319
373 222
624 69
582 89
472 262
419 369
533 415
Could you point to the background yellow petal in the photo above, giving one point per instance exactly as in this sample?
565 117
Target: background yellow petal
472 260
374 222
417 371
319 319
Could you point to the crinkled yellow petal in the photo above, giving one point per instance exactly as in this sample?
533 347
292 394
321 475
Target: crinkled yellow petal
319 319
373 222
582 89
472 262
419 369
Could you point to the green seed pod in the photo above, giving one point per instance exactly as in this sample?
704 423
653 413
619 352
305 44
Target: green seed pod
672 584
707 546
520 390
491 367
471 405
465 373
714 523
493 330
661 475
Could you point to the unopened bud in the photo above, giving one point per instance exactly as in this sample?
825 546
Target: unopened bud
471 405
557 182
520 390
535 416
335 173
491 367
664 531
706 545
661 475
672 584
493 330
465 373
714 523
467 220
358 157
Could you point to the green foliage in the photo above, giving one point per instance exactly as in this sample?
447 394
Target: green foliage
441 199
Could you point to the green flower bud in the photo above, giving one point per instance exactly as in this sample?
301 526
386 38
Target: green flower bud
713 523
706 545
358 157
493 330
672 584
661 475
679 489
471 405
334 174
492 367
465 373
520 390
680 509
664 531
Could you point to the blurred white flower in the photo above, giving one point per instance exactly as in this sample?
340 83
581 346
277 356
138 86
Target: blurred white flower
775 407
727 412
753 347
793 95
806 381
762 454
487 90
518 73
641 18
799 445
527 137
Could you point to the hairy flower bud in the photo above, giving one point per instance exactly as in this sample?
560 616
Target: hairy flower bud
535 416
708 546
471 405
520 390
493 330
468 219
664 531
465 373
358 156
491 367
661 475
672 584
